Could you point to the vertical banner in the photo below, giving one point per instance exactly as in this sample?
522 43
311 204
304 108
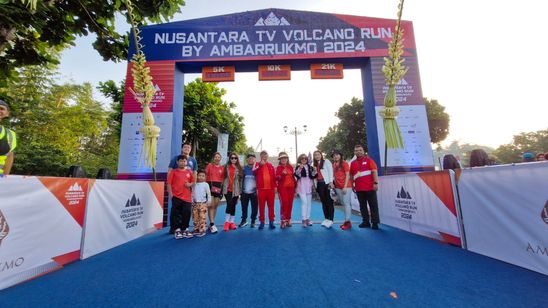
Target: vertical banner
222 147
412 120
505 213
422 203
120 211
131 139
40 225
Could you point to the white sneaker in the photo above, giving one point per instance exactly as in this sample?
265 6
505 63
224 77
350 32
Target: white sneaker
187 234
325 222
329 224
213 229
178 234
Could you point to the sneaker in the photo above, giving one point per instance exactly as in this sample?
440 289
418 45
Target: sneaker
213 229
252 224
288 224
242 224
324 223
364 225
226 226
282 224
178 234
200 234
232 226
375 226
187 234
347 225
261 225
309 222
271 225
329 224
305 224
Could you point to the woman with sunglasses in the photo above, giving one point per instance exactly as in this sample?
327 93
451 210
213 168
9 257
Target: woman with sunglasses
232 185
286 188
215 174
305 174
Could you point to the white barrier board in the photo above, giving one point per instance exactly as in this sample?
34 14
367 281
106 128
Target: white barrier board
505 213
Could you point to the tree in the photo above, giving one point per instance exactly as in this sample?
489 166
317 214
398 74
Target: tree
29 34
116 93
351 129
206 115
58 125
438 120
349 132
534 142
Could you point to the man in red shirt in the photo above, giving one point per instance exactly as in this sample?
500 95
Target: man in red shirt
266 189
365 180
179 183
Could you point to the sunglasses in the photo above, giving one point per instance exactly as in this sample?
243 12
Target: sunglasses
235 158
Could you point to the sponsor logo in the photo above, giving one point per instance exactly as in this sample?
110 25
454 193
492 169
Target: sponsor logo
405 204
4 227
75 194
544 213
158 97
132 212
272 20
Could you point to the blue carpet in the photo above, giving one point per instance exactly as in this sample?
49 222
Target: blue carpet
295 267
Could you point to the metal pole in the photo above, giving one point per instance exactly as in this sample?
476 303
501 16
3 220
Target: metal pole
296 151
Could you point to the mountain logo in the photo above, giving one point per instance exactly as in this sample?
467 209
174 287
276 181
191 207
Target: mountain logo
75 187
402 194
159 96
544 213
4 227
75 194
272 20
133 201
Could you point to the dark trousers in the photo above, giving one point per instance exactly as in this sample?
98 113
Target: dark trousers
231 203
327 203
369 197
246 198
180 214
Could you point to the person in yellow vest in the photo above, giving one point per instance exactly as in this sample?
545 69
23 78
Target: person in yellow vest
8 142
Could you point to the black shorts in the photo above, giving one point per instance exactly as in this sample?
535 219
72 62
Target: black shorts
216 189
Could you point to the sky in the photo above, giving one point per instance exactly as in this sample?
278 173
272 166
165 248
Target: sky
483 60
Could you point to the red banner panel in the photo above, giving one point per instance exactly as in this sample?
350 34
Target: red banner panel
275 72
326 71
218 73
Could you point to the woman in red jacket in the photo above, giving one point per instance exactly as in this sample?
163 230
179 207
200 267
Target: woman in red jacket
286 188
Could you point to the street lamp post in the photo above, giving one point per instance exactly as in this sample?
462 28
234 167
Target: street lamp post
295 132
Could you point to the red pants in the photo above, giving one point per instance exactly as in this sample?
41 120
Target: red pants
286 195
266 196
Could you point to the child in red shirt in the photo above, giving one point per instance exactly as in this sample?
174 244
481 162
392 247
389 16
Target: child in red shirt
179 183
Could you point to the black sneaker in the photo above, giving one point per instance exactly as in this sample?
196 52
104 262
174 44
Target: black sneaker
242 224
375 226
365 225
253 223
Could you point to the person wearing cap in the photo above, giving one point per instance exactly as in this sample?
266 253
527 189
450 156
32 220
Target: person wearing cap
365 180
266 189
343 186
528 157
324 183
286 188
249 192
8 142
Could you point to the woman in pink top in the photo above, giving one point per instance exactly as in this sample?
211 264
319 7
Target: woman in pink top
305 173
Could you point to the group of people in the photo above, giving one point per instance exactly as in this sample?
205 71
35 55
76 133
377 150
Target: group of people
197 193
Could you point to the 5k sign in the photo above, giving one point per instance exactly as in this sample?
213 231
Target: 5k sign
218 73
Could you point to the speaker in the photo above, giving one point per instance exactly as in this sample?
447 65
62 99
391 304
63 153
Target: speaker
76 172
104 173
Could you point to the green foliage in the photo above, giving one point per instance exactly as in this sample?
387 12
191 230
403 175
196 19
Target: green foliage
116 93
58 125
28 35
351 129
206 115
349 132
438 120
534 142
